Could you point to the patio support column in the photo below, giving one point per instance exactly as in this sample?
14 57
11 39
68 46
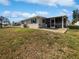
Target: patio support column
50 23
62 22
54 23
66 22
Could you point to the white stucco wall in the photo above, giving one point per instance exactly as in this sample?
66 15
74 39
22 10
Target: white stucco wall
77 23
33 25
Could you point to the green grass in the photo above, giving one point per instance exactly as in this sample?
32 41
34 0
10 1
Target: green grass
18 43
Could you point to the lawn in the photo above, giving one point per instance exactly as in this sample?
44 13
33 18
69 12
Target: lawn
18 43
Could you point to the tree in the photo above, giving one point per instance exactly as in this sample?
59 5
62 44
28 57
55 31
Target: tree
4 21
1 20
75 16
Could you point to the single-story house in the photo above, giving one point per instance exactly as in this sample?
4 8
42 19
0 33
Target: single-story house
43 22
76 23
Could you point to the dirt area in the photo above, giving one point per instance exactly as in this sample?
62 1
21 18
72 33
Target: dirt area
60 30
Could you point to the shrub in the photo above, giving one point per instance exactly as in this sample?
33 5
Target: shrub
73 27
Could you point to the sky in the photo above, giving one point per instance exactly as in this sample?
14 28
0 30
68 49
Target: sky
17 10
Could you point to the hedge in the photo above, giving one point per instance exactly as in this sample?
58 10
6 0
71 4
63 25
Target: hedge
73 27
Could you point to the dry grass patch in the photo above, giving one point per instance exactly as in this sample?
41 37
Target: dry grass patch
16 43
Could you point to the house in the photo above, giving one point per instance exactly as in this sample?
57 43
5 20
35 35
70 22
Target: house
43 22
76 23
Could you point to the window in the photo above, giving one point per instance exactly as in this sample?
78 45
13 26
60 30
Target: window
33 21
43 21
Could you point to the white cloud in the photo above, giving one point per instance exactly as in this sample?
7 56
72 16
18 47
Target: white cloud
51 2
23 15
42 13
65 12
4 2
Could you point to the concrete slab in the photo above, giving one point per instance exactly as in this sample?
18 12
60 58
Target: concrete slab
60 30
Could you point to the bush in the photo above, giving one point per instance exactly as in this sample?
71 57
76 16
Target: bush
73 27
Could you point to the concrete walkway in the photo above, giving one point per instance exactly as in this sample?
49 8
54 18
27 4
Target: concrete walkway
60 30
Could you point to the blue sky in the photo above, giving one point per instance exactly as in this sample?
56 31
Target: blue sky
17 10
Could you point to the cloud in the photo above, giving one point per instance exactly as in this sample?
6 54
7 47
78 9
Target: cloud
65 12
23 15
51 2
4 2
